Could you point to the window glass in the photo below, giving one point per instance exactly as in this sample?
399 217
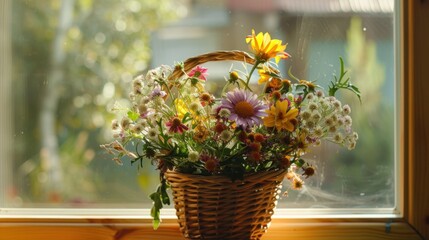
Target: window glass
72 62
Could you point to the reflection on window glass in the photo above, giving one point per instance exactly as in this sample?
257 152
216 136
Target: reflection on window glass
73 61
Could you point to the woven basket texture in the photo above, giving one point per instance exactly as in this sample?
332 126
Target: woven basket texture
216 56
214 207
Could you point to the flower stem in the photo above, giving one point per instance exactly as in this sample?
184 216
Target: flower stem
166 84
246 85
257 62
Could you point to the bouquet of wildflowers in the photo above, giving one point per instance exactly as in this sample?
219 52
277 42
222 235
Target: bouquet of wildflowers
178 125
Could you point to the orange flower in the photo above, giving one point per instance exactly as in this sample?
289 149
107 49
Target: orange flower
275 83
266 48
273 80
201 133
281 116
297 183
311 86
285 161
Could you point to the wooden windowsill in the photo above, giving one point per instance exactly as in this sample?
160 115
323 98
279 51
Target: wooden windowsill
280 229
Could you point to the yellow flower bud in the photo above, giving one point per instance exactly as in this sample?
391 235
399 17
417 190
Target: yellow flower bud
233 75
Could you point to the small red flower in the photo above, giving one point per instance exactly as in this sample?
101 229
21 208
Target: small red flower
259 137
219 127
206 99
251 137
211 165
255 147
175 125
255 156
210 162
199 72
308 171
242 136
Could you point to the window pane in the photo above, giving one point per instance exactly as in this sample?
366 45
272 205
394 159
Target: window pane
73 61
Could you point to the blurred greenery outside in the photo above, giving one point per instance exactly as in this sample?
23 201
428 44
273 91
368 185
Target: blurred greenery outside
64 93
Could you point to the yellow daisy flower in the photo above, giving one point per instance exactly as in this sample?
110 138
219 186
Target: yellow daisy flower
264 76
281 116
302 144
181 107
184 108
266 48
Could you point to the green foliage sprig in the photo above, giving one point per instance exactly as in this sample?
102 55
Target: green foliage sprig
160 198
343 83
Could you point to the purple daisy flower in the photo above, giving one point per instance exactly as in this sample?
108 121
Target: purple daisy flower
246 110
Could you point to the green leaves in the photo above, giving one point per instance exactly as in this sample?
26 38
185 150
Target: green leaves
187 117
299 162
133 115
159 198
289 72
343 83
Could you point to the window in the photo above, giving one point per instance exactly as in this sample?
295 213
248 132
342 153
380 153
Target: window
413 20
72 62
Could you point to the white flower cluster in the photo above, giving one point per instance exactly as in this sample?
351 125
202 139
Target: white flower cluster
147 98
325 118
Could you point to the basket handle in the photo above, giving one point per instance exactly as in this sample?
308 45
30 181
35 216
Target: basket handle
215 57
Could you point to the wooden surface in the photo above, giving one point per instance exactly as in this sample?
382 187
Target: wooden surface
114 229
417 89
131 229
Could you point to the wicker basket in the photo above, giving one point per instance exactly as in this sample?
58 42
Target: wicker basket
216 56
214 207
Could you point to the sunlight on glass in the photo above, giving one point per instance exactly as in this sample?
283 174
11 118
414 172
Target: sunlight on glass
75 33
73 62
100 38
108 90
126 77
140 65
120 25
134 6
97 119
79 101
